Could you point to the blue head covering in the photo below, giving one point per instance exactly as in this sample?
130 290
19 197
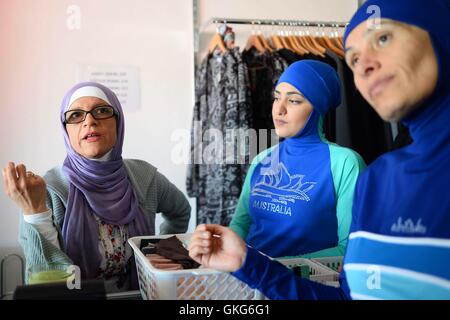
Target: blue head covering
97 188
320 85
317 81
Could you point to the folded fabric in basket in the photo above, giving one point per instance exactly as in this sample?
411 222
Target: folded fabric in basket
172 248
161 262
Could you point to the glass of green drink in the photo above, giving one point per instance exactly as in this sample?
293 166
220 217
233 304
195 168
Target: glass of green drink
38 274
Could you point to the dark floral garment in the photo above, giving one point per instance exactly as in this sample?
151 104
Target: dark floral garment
216 175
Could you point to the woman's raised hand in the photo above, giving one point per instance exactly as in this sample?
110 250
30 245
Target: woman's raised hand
218 247
25 188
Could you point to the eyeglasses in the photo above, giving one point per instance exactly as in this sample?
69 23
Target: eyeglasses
99 113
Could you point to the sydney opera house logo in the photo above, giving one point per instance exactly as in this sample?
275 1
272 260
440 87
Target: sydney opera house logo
280 184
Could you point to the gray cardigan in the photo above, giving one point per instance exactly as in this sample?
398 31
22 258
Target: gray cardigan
155 194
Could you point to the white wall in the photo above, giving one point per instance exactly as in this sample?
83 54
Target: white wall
39 56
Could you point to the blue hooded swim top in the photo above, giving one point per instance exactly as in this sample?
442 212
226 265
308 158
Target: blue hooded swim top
297 196
399 242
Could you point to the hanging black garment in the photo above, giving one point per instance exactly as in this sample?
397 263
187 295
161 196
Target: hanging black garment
289 56
264 71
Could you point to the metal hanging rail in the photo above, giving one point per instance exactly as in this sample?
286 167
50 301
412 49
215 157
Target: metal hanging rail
275 22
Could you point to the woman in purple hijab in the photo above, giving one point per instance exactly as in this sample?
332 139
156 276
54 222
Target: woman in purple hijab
83 212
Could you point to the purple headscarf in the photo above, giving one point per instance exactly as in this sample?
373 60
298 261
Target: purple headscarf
97 188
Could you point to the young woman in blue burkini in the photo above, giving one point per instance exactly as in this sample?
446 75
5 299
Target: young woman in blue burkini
297 196
399 242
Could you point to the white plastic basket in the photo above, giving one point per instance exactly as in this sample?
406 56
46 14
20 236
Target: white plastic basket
203 283
317 272
333 263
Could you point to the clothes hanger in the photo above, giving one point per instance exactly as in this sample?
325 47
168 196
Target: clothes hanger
269 39
335 39
307 45
336 36
255 42
263 39
217 42
333 47
320 38
291 44
264 43
299 41
276 40
317 47
321 41
335 42
288 38
299 49
330 45
284 41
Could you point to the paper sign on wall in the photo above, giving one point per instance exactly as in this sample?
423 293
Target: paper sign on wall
124 81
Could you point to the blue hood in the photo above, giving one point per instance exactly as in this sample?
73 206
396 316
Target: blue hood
320 85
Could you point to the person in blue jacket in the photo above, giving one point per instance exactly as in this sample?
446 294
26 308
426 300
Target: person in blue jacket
297 196
399 242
